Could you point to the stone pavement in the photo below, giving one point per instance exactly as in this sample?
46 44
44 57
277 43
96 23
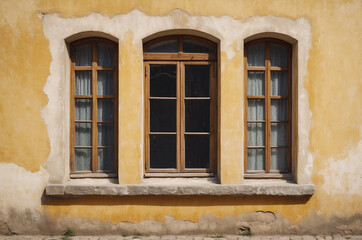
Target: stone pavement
174 237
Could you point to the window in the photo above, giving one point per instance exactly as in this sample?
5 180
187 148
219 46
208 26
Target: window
93 108
268 112
180 106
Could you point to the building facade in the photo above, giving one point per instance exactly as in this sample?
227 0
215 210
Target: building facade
181 117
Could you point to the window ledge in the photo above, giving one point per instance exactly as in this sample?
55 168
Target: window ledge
181 188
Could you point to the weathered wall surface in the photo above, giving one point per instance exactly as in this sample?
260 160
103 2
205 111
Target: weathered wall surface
34 103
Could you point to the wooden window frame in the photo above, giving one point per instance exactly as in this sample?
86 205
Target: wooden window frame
268 173
181 59
94 97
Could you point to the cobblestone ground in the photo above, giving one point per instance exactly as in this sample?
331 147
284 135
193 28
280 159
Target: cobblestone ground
173 237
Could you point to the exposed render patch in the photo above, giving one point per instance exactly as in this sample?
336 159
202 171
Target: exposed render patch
35 222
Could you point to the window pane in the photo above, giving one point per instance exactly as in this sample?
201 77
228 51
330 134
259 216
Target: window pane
190 46
83 159
278 159
163 81
162 115
83 55
83 83
279 110
83 109
279 134
279 83
105 134
105 110
256 55
105 83
256 109
278 55
197 151
106 159
256 159
256 83
83 134
169 46
256 134
105 55
162 151
197 80
197 115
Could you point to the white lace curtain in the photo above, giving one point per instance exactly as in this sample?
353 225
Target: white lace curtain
278 108
83 109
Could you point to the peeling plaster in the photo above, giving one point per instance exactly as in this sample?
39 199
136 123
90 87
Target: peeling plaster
231 32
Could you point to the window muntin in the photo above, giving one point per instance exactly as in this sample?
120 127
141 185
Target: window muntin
180 105
268 108
93 135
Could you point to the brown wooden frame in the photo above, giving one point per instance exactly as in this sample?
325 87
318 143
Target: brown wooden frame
268 173
94 97
181 59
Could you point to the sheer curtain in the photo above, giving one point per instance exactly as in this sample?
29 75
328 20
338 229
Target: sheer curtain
105 109
256 112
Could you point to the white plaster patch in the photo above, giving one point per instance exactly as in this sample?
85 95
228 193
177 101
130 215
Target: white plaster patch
21 189
343 176
228 30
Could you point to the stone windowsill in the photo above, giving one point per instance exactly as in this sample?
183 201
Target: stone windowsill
179 187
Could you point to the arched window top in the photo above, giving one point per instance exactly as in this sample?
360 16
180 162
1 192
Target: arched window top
180 47
274 50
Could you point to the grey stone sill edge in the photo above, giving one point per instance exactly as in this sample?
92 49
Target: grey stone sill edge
298 190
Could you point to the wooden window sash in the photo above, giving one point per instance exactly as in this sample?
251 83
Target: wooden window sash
268 173
94 97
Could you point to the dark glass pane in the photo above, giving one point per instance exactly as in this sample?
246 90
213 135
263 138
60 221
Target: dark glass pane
105 55
197 151
162 115
163 81
83 82
105 83
169 46
279 134
256 83
106 159
279 110
256 159
279 83
83 159
83 55
190 46
256 55
278 159
197 80
105 110
105 134
256 109
83 134
162 151
256 134
83 109
278 55
197 115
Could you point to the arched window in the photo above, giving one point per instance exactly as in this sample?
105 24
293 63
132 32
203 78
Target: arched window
268 112
94 82
180 106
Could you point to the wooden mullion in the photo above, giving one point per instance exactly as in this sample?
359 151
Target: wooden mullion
147 117
267 107
82 68
94 109
82 96
255 96
181 117
72 112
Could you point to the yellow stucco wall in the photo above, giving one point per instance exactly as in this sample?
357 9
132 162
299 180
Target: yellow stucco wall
333 83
